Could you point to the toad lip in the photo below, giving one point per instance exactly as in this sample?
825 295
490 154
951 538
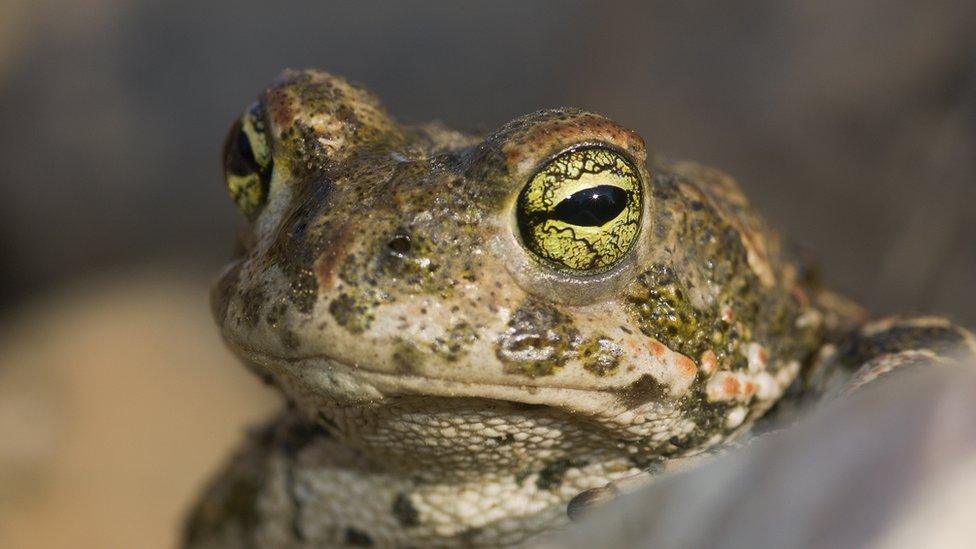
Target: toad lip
355 384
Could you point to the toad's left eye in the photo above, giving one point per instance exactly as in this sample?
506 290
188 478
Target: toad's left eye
581 211
247 162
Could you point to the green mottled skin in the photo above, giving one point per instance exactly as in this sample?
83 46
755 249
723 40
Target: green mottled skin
447 386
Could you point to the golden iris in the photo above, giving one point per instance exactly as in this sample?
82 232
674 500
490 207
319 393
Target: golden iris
581 211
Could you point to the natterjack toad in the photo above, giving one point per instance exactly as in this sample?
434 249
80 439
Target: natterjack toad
473 330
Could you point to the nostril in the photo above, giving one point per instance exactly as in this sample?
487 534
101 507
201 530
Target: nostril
400 244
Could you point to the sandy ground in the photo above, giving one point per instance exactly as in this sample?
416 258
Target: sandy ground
117 400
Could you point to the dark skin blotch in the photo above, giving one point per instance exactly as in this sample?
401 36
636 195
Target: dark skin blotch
509 438
552 475
252 299
539 340
407 357
645 389
679 443
328 425
404 511
358 538
239 504
857 349
299 435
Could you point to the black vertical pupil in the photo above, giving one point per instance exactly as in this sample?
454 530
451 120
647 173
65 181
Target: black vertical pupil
591 207
239 157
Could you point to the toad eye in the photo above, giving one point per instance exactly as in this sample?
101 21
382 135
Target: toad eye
581 211
248 162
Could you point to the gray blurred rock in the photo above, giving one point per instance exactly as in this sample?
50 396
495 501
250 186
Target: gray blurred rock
891 466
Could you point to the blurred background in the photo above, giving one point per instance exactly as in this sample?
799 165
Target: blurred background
851 124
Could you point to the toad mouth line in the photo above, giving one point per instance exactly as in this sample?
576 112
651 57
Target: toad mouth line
323 374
